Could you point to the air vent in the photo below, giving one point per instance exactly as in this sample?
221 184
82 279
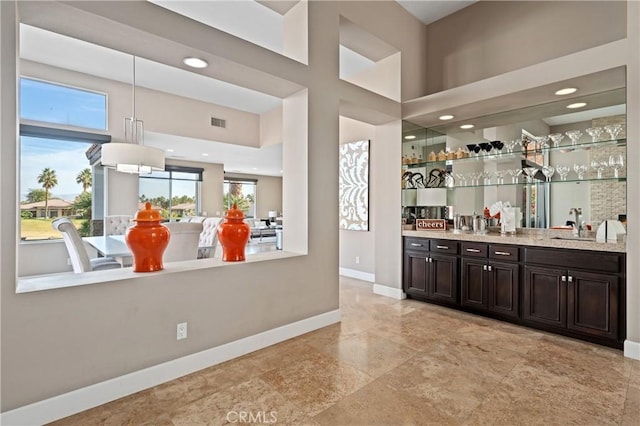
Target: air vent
218 122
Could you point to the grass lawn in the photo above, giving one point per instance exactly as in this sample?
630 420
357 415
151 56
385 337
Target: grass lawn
41 229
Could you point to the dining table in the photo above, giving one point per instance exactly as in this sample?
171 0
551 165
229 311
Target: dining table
111 246
115 246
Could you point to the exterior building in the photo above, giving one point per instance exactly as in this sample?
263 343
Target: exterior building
105 340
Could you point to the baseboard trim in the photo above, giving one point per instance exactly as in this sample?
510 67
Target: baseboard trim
384 290
73 402
632 349
359 275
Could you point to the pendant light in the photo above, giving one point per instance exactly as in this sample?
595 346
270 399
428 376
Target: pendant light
131 156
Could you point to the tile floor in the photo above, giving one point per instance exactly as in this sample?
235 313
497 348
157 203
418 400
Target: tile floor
394 362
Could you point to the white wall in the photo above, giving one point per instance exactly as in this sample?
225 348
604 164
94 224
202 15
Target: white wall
86 331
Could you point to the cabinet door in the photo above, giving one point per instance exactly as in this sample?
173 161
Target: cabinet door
415 273
545 296
504 282
473 288
593 303
443 279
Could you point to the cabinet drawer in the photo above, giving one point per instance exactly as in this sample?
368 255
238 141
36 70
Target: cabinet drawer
444 246
412 243
475 249
508 253
594 260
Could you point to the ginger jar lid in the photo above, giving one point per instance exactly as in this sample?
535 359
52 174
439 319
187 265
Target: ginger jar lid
234 213
148 214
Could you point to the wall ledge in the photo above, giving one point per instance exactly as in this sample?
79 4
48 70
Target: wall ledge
82 399
69 279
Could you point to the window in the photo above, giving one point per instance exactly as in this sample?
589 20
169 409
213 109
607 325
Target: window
175 191
54 103
56 177
242 192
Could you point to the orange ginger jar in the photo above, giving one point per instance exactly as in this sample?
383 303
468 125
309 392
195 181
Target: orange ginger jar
233 235
147 240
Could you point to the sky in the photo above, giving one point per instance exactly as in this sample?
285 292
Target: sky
51 103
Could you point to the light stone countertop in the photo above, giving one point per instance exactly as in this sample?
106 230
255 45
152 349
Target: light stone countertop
538 238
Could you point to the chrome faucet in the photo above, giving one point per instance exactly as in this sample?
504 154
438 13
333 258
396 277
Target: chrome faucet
578 225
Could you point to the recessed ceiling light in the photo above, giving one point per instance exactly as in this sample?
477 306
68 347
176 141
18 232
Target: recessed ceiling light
280 171
410 137
577 105
446 117
467 126
566 91
195 62
204 154
169 150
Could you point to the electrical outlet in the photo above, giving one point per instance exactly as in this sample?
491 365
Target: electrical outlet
358 260
181 331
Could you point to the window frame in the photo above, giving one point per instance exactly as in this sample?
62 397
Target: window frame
178 169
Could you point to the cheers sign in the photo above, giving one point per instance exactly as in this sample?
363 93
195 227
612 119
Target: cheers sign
431 225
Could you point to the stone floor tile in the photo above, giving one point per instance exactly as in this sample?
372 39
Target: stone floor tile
316 382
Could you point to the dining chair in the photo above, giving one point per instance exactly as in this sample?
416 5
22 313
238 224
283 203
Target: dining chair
183 242
78 255
208 238
116 224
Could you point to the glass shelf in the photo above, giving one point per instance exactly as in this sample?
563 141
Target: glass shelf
518 154
538 182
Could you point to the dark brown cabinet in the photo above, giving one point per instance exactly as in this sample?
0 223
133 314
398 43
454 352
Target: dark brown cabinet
488 284
429 274
578 293
585 302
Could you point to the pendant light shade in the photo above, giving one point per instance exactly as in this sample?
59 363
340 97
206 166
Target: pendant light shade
131 156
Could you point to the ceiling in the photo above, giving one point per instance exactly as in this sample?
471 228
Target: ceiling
255 21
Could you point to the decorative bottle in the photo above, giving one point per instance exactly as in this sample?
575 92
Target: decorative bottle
233 235
147 240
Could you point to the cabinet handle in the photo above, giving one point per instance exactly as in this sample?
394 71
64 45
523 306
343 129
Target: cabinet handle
489 268
473 250
416 245
484 267
443 247
564 279
430 260
503 253
570 279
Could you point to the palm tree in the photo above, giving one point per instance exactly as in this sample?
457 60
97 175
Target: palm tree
84 178
48 179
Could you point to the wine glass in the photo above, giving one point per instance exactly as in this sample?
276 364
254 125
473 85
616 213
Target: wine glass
530 172
515 173
509 146
595 133
461 178
616 162
500 176
486 177
497 145
485 146
556 138
543 141
580 170
613 130
598 166
475 178
563 171
574 135
548 171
